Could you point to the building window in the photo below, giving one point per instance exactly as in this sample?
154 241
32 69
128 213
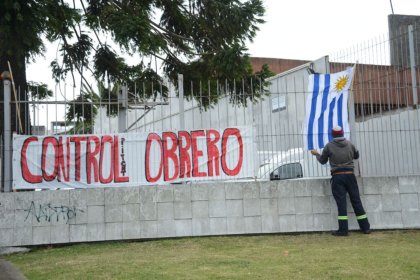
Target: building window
278 103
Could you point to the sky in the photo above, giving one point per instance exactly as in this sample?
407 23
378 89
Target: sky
310 29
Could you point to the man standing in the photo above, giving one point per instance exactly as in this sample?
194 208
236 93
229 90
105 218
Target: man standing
341 153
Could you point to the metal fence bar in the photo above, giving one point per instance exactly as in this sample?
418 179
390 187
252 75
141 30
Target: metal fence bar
7 134
181 101
412 63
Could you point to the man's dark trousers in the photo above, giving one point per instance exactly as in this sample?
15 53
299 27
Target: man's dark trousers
342 184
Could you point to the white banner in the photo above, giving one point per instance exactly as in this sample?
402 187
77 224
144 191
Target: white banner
132 159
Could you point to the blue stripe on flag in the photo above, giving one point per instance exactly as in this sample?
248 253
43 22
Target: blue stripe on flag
323 108
340 111
330 119
312 112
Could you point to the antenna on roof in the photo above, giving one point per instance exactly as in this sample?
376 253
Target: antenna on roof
392 9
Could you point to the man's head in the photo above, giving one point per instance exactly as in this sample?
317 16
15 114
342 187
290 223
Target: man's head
337 132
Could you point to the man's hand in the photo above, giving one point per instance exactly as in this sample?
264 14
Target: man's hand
315 152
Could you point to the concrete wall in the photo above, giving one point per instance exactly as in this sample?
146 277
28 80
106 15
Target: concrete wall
398 33
84 215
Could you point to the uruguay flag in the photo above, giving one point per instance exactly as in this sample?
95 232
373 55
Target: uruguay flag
326 107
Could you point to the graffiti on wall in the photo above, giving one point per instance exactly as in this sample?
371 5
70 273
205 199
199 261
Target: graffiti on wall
49 213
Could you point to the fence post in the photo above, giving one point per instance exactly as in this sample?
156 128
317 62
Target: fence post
412 64
7 135
352 118
352 111
122 112
181 101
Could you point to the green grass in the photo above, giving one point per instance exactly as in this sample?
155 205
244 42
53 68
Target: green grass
380 255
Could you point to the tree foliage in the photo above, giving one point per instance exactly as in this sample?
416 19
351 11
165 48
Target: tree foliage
38 91
81 112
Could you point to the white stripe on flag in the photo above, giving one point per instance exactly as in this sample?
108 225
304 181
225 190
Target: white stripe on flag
326 107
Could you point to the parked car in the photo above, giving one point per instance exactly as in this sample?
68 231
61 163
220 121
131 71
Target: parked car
291 164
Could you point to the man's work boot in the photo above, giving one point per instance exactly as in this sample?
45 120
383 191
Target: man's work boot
340 233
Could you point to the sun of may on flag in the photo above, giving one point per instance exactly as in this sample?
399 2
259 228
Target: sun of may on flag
326 107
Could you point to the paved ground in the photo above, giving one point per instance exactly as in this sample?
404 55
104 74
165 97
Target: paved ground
7 270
